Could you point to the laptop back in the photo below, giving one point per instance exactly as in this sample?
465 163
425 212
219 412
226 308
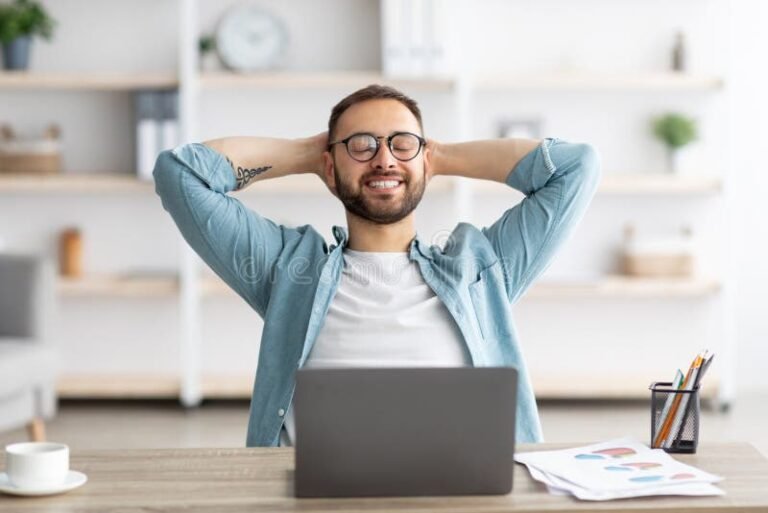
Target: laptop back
404 432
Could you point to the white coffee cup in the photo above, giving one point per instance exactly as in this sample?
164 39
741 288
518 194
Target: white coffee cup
35 465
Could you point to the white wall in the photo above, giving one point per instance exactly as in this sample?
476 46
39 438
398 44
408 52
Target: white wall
749 111
521 36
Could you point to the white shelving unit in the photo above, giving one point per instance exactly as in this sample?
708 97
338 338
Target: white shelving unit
25 80
191 288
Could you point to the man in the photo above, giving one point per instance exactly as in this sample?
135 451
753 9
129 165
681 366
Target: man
379 297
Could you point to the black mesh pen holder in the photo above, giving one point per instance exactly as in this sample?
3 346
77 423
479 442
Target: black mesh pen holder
678 437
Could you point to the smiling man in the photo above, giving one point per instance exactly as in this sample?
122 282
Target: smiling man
379 296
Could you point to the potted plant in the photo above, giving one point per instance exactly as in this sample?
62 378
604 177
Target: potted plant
675 131
19 22
207 48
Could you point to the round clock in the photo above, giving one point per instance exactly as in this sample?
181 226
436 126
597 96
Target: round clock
250 39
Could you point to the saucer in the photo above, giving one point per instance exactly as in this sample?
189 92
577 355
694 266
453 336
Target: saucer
72 481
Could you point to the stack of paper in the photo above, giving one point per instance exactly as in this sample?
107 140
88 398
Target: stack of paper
616 469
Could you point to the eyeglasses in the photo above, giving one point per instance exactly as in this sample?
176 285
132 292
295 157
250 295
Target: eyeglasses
404 146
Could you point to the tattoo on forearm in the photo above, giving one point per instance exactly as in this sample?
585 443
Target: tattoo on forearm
244 175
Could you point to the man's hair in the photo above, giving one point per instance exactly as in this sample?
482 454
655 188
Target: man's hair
371 92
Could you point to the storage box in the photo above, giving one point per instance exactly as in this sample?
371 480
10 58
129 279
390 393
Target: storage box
658 257
658 265
40 155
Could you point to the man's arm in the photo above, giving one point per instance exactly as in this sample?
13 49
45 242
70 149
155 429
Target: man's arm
261 158
558 180
487 160
240 245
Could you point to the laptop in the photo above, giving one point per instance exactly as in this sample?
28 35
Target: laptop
379 432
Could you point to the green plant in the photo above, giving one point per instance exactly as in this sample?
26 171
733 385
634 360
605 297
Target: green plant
675 130
206 43
24 18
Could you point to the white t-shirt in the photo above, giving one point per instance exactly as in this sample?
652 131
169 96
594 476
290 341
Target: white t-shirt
384 315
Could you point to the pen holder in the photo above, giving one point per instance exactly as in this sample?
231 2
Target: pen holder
674 418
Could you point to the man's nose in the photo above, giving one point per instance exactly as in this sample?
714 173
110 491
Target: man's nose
383 158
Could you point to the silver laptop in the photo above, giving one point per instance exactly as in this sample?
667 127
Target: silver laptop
404 432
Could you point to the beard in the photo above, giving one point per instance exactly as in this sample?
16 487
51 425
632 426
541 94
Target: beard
379 210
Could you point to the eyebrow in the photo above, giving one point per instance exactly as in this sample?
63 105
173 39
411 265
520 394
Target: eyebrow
380 136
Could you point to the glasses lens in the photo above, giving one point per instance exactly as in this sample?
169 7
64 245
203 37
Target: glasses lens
405 146
362 147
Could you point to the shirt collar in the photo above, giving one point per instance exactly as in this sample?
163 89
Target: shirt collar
417 245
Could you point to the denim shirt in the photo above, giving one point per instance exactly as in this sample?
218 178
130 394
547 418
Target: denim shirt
289 275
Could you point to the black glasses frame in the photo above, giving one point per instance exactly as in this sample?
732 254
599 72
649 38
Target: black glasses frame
422 143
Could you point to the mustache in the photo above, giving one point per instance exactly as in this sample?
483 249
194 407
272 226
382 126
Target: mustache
384 176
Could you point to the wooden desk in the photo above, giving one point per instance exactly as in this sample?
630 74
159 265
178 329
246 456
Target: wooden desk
260 480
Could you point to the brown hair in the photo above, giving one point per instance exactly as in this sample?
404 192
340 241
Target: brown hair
371 92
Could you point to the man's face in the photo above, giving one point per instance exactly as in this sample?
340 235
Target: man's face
383 190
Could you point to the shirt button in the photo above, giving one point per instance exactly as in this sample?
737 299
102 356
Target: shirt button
280 412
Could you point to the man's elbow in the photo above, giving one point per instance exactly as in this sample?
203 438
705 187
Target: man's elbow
165 172
589 165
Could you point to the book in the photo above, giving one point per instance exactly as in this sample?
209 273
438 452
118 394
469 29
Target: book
148 135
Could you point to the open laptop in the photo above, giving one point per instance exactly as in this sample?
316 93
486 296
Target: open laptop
404 432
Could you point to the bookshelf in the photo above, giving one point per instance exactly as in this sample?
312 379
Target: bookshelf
193 292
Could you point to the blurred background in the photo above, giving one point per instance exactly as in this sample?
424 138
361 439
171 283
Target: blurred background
105 312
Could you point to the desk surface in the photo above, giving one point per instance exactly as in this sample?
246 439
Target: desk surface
260 480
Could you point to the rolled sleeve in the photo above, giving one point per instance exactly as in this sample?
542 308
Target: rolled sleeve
238 244
559 180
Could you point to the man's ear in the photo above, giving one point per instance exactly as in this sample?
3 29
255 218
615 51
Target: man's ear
428 163
329 172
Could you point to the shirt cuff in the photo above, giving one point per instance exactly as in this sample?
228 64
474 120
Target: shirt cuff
534 170
208 165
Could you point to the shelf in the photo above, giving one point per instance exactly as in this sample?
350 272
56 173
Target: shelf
554 81
149 386
311 184
664 81
320 80
614 287
240 386
87 183
122 182
633 183
118 286
607 287
613 183
100 81
86 81
656 183
118 386
221 386
618 387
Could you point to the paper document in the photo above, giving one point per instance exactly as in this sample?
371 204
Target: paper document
616 469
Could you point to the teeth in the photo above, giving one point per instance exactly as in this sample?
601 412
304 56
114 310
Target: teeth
383 184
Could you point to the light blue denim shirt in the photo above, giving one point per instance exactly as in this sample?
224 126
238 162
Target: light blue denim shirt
289 275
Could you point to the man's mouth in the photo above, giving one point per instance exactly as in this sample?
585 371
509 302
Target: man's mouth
384 184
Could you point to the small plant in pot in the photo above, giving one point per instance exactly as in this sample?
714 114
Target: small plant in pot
207 48
20 21
675 131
